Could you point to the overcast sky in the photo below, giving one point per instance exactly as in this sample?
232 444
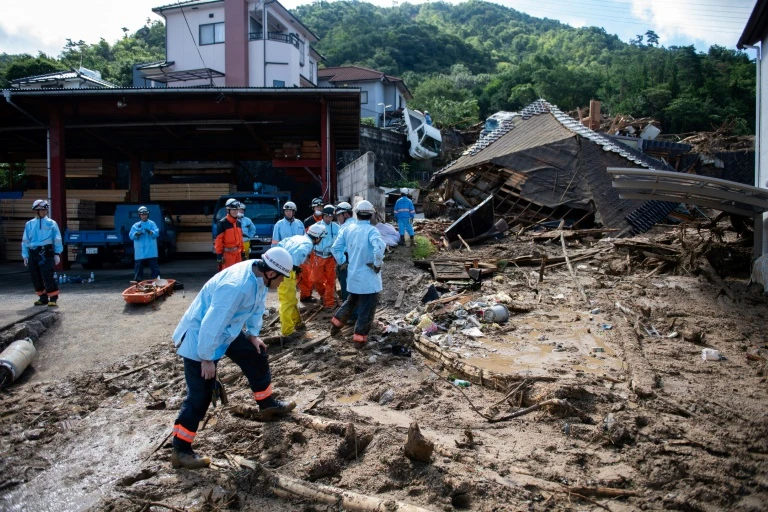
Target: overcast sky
44 25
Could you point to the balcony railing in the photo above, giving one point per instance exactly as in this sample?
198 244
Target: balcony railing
276 36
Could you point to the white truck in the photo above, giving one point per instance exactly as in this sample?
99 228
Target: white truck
424 140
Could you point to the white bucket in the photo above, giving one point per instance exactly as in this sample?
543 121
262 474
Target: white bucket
17 356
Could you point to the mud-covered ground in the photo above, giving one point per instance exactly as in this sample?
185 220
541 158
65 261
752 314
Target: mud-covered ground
643 423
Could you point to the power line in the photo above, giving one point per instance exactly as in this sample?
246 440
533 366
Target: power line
197 46
694 13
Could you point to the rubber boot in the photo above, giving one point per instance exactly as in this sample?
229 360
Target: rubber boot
270 408
188 459
42 300
402 240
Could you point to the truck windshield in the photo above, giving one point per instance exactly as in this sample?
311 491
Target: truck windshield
430 144
261 210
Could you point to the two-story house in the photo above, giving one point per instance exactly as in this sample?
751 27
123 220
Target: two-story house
379 92
232 43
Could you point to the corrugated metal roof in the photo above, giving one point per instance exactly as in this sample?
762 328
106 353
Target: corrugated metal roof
189 3
62 75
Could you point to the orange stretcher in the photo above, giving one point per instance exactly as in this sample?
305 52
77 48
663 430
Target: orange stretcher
149 290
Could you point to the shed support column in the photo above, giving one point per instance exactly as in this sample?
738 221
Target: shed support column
325 148
58 197
135 179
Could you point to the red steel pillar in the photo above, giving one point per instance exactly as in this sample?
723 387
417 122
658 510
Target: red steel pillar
135 191
58 197
324 149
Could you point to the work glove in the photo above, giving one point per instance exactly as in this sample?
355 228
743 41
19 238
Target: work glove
220 262
343 266
148 231
56 259
373 267
298 270
411 221
138 234
26 262
242 256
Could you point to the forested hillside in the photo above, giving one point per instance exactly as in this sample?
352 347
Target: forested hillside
465 61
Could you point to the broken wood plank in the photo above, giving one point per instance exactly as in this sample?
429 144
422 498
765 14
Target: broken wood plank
469 249
399 300
573 274
129 372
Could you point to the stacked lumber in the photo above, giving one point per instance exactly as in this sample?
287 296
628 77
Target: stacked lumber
194 242
105 221
189 191
22 209
194 169
197 221
73 167
11 231
310 150
98 195
81 209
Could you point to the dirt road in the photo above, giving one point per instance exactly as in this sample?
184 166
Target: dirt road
645 423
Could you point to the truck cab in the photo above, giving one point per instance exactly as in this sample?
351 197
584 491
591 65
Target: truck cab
93 248
264 209
424 140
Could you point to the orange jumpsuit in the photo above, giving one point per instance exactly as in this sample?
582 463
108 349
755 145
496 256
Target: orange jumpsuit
324 279
305 279
229 241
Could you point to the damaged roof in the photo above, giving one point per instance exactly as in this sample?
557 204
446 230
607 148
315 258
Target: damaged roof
535 127
542 164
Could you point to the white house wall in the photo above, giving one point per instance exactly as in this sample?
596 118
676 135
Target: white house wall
761 169
183 49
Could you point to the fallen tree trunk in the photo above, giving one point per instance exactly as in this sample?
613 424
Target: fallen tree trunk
288 487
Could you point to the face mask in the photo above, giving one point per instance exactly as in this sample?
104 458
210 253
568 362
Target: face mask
240 215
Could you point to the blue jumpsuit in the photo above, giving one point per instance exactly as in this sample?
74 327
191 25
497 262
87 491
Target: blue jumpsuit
404 212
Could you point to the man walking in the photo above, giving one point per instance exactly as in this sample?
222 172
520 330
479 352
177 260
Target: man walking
404 214
229 238
144 235
288 226
211 328
365 247
41 246
323 276
299 247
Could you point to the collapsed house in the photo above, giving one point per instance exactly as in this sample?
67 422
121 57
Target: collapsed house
542 165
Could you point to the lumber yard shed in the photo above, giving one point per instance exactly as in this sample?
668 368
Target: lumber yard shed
70 140
543 166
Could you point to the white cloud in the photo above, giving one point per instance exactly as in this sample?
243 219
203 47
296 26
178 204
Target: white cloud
44 25
674 21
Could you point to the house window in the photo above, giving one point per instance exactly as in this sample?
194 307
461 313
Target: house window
278 83
312 71
212 33
363 97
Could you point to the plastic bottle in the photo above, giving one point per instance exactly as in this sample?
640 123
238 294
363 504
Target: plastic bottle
92 278
56 276
459 383
65 279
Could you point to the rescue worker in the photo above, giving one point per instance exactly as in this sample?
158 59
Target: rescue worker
317 213
41 246
299 247
323 276
345 218
211 328
404 214
365 248
287 226
144 235
249 230
427 117
229 238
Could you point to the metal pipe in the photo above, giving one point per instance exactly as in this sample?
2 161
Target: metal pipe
760 238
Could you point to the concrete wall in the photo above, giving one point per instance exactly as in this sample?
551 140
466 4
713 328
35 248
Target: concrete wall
182 47
357 181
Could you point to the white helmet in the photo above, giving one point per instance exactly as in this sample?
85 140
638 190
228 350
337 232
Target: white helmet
40 204
279 260
316 231
290 205
364 207
143 209
404 191
230 201
343 207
